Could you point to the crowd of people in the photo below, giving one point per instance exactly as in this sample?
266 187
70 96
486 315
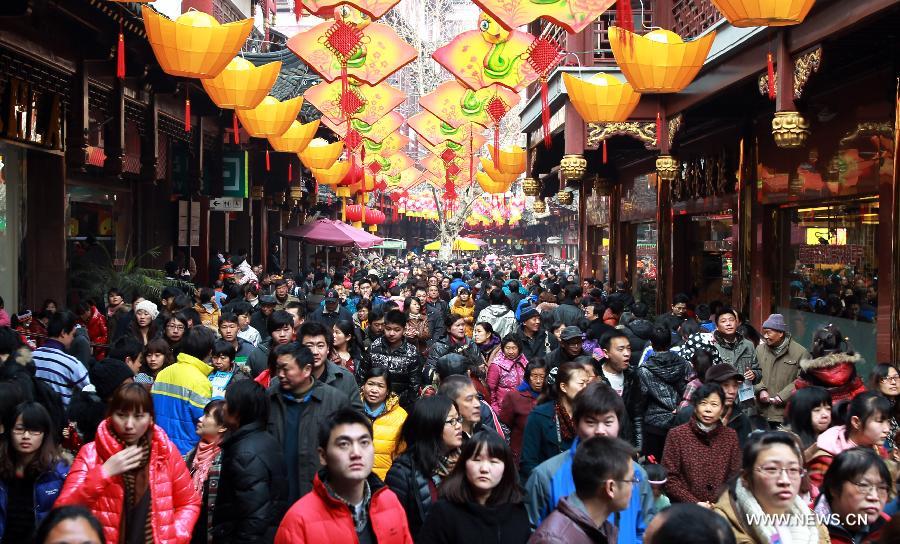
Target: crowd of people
402 400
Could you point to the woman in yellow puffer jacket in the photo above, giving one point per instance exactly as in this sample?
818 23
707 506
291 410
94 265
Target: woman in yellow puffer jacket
465 307
383 408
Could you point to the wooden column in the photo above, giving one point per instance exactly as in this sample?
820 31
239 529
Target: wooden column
888 323
743 232
784 74
77 121
114 132
45 238
664 224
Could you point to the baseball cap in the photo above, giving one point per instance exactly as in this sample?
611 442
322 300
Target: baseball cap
331 296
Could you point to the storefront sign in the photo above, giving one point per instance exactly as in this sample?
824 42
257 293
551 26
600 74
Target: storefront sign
226 204
825 254
235 174
554 240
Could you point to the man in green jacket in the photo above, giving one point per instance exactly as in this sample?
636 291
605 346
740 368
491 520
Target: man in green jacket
779 360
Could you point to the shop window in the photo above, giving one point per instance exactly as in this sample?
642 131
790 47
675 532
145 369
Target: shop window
12 188
831 272
645 264
708 241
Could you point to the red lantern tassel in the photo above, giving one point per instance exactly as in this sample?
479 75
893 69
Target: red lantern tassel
659 130
625 18
298 9
236 128
268 161
187 114
545 112
604 151
290 173
120 54
770 71
496 144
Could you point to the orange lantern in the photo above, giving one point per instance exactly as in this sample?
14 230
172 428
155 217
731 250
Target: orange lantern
296 138
320 154
496 174
744 13
194 44
602 98
332 176
241 85
271 117
511 159
659 61
490 185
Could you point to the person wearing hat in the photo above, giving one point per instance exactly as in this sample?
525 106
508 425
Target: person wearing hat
331 311
536 343
569 349
779 361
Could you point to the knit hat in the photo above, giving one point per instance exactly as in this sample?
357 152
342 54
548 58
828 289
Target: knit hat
723 372
109 374
148 307
775 322
527 313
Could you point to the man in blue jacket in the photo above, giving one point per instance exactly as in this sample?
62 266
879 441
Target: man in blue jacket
597 412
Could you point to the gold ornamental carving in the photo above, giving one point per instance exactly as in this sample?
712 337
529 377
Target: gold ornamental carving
804 66
667 167
674 126
531 187
539 206
565 197
790 129
602 186
643 131
257 192
572 167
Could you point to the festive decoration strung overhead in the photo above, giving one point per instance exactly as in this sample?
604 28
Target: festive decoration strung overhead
659 61
512 159
375 132
745 13
462 151
194 44
320 154
489 55
374 9
296 138
364 102
495 174
434 131
332 176
241 85
455 104
602 98
573 15
271 117
393 143
490 185
389 166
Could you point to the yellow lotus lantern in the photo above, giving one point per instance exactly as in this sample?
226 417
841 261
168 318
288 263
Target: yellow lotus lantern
271 117
490 185
510 159
320 154
334 175
296 138
659 61
496 174
744 13
194 44
241 85
602 98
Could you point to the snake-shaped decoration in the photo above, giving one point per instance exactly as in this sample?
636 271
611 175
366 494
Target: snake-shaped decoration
470 104
448 130
496 66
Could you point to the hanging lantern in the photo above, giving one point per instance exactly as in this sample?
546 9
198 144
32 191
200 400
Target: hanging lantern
194 44
659 61
565 197
241 85
496 174
602 98
790 129
271 117
490 185
510 159
320 154
539 206
332 176
745 13
531 187
374 218
572 167
296 138
354 213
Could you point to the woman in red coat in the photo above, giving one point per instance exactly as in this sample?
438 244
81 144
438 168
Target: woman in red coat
518 404
132 477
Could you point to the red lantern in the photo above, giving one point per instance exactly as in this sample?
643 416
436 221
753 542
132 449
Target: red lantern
374 217
354 213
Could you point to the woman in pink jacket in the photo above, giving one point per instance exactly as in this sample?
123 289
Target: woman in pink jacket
132 477
506 370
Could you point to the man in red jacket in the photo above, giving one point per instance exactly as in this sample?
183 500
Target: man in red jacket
349 503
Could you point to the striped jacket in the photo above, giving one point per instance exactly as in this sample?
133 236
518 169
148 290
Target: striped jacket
62 372
180 393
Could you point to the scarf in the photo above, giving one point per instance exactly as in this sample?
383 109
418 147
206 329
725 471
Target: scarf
781 348
136 483
564 423
203 460
731 345
795 532
486 347
445 466
373 413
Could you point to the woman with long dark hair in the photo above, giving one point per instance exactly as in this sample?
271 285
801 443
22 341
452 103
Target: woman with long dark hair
808 414
345 351
32 471
143 326
157 356
480 497
132 477
432 436
886 380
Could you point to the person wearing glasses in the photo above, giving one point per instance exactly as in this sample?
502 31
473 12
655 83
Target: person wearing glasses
763 504
32 471
702 454
433 435
856 488
886 380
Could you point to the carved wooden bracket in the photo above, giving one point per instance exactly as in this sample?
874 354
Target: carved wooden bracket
643 131
804 66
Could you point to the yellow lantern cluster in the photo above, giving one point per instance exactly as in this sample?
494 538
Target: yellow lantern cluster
510 159
241 85
334 175
271 117
659 61
496 174
744 13
296 138
194 44
602 98
320 154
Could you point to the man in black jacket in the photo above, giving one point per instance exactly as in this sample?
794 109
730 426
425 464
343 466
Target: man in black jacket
536 343
299 403
616 371
319 341
638 329
569 311
401 358
437 311
331 312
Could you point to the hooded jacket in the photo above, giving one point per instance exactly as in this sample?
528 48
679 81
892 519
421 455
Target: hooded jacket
663 379
46 489
638 331
174 505
501 319
836 372
829 444
503 376
320 517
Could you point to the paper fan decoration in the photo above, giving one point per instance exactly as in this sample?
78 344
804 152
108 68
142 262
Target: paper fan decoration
434 131
361 101
457 105
375 132
392 144
572 15
374 9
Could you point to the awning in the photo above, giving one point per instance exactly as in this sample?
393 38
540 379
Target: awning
325 232
460 244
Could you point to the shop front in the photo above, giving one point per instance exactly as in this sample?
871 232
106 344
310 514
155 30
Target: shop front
636 237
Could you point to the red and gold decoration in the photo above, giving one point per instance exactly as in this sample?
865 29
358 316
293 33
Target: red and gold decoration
456 105
374 9
572 15
361 101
